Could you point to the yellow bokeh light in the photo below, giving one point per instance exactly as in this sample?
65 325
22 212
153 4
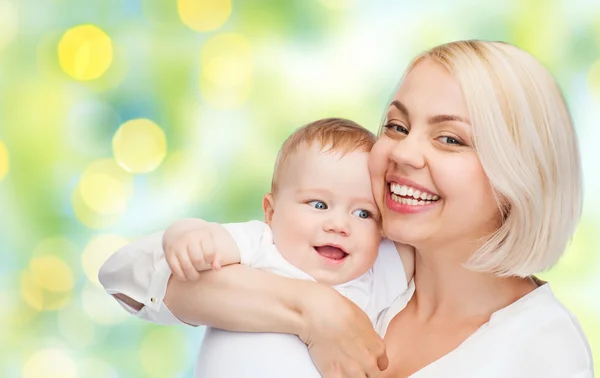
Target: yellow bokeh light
105 187
158 361
593 79
3 160
204 15
227 64
31 292
47 284
85 52
9 23
97 251
139 145
88 216
104 194
52 274
50 363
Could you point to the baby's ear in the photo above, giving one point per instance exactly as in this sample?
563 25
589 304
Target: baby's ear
268 208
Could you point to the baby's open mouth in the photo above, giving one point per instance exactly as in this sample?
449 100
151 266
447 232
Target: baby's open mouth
331 252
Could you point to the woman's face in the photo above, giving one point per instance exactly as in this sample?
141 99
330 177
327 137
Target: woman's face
427 178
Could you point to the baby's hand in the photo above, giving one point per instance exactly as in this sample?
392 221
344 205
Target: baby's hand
197 249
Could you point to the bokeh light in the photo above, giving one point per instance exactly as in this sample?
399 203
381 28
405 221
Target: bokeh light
97 251
50 363
9 23
88 216
159 361
105 187
139 146
204 15
85 52
47 284
3 160
226 65
52 274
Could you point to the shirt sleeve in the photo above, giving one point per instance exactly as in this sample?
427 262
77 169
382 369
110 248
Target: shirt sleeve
140 271
249 237
389 277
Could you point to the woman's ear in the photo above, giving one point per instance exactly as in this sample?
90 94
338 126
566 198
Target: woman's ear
268 207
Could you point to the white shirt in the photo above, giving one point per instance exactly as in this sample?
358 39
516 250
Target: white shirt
536 336
140 271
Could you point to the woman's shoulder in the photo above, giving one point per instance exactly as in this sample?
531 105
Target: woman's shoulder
545 330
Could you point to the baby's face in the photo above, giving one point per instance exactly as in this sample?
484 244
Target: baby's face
325 221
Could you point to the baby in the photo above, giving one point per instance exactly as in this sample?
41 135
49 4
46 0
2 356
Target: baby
321 223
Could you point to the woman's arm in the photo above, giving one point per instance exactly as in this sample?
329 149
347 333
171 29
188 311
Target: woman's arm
339 335
240 298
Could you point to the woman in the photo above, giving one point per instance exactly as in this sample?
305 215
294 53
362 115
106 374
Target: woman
482 127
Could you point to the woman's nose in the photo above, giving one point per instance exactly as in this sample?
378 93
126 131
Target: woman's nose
409 151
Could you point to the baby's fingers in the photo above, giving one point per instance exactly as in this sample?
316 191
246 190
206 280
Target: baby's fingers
188 268
207 245
175 267
216 264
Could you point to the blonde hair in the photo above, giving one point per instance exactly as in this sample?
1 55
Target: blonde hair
331 134
527 146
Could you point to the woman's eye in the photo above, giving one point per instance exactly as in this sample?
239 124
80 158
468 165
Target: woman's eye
397 128
362 214
318 205
451 140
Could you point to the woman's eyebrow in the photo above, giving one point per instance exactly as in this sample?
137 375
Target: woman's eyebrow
400 106
441 118
448 118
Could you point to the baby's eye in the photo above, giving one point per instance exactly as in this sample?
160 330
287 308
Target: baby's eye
364 214
318 205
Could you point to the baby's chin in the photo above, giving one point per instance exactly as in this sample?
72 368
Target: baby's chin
336 277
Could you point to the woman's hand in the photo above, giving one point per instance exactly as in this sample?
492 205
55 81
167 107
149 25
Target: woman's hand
340 337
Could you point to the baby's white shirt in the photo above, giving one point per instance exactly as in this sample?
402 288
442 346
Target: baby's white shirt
227 354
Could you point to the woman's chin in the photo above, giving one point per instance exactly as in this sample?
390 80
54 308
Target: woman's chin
398 232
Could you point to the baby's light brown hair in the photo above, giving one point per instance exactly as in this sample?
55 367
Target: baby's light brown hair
330 134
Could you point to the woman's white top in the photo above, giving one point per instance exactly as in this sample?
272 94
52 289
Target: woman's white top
536 336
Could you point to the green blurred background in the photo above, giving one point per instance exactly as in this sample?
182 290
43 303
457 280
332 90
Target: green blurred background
118 117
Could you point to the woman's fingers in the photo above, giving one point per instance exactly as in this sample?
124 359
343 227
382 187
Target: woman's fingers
342 340
382 359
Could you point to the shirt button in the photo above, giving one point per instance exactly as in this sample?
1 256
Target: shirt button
153 300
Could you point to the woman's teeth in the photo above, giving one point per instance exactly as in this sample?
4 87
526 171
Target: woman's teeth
407 195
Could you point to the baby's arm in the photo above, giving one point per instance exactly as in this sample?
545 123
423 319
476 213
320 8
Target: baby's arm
241 298
194 245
